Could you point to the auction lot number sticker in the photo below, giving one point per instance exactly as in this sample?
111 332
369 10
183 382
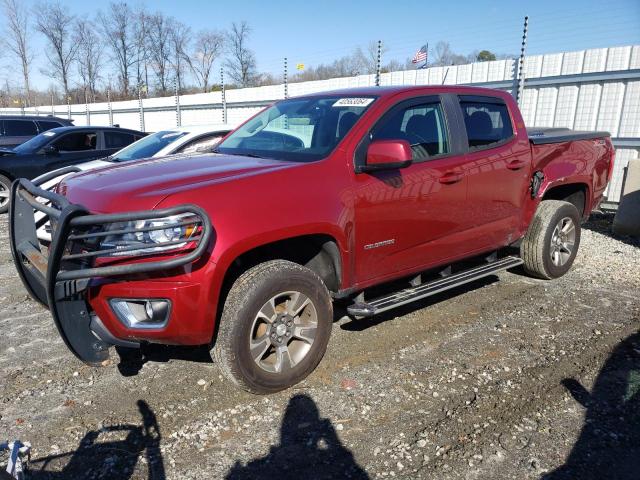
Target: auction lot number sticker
353 102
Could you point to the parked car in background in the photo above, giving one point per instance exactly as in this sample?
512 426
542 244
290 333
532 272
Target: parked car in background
17 129
57 148
194 139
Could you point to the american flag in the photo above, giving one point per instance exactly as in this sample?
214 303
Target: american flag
421 55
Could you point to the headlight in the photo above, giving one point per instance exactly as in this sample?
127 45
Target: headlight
149 236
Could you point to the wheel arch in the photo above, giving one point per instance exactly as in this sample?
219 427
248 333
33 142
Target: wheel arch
7 174
320 252
576 193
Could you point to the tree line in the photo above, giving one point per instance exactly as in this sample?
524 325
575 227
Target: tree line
122 49
128 51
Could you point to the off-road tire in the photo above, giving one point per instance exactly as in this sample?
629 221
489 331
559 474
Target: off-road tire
245 298
536 248
5 184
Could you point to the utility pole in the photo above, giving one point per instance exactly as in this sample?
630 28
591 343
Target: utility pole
86 108
141 108
519 80
178 112
286 85
378 63
109 107
224 100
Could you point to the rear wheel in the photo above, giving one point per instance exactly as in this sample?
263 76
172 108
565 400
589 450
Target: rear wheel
552 240
5 190
274 328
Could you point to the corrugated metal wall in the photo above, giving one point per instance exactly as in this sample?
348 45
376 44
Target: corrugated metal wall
585 90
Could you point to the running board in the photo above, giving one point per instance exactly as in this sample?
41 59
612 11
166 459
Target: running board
411 294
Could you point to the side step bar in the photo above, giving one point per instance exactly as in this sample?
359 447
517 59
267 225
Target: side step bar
411 294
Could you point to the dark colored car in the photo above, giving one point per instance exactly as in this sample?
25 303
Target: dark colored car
56 148
17 129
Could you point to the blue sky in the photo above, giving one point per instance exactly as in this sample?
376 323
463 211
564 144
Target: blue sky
315 32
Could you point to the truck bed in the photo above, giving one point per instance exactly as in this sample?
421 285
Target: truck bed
542 135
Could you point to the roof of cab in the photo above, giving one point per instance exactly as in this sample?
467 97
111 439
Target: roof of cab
43 118
91 127
389 91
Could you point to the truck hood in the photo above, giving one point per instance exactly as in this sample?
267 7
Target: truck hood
141 185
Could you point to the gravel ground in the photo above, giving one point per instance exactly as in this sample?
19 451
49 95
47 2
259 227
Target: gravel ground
510 377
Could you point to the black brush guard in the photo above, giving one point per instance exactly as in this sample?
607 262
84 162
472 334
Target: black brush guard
58 278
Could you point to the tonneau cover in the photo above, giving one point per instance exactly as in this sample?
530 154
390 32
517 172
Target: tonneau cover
539 136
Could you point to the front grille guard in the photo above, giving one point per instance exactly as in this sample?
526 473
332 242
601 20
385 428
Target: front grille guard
58 276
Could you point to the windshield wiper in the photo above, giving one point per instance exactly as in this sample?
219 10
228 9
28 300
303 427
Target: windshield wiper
251 155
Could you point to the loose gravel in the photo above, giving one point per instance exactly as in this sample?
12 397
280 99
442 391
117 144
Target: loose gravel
509 377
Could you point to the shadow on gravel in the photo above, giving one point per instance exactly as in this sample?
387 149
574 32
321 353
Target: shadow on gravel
602 222
115 457
309 449
133 359
609 443
359 324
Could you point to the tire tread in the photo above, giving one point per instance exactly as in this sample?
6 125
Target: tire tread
239 295
533 247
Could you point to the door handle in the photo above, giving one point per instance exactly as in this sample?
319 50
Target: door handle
450 177
516 164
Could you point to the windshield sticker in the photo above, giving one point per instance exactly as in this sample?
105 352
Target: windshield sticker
48 134
353 102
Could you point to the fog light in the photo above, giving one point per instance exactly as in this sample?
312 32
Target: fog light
142 313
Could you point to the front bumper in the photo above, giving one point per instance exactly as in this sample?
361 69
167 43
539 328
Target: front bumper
61 276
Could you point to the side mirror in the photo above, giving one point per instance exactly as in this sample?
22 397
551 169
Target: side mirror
50 150
388 154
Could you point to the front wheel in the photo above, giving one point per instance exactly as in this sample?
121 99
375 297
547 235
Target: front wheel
552 240
274 328
5 191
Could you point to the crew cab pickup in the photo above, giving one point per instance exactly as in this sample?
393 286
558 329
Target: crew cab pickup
412 190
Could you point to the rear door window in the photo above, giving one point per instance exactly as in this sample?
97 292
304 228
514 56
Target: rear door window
20 128
117 139
76 142
47 125
487 123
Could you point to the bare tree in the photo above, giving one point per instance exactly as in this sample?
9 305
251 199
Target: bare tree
88 56
118 29
159 36
16 38
371 55
141 32
207 47
56 25
241 64
180 36
444 54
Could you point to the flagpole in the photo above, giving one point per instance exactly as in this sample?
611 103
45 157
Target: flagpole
426 58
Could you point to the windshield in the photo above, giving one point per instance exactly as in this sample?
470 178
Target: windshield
36 143
303 129
147 146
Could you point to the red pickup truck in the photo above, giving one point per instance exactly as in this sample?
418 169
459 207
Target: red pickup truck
413 190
